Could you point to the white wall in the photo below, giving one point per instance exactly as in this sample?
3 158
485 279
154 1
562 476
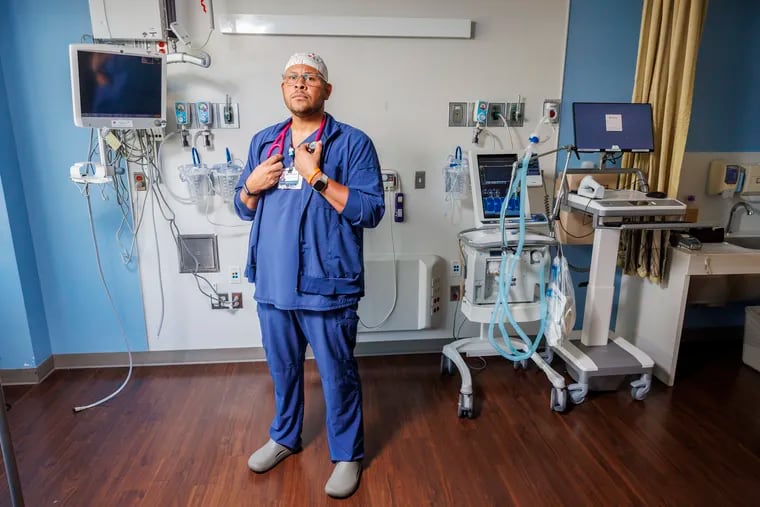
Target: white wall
396 90
714 209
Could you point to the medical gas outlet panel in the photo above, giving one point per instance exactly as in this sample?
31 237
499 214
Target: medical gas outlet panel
205 114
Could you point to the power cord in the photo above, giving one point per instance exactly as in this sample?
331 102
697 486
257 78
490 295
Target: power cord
395 282
113 307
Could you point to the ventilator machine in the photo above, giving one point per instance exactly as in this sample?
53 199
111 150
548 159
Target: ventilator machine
510 278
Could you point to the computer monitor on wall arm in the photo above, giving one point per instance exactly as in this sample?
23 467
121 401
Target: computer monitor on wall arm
613 127
117 87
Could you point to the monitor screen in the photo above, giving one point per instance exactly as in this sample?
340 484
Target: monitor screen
117 87
494 176
613 127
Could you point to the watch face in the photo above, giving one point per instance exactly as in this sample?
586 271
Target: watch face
321 183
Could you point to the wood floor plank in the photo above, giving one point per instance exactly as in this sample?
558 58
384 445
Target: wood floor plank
181 435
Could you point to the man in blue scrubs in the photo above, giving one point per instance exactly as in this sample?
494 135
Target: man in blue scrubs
310 186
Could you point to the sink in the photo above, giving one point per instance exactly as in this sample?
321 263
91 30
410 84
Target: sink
752 242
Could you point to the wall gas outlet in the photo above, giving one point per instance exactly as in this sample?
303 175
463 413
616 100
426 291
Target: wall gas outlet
226 115
495 111
480 113
515 114
551 110
457 114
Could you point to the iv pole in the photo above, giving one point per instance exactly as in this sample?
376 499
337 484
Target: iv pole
9 458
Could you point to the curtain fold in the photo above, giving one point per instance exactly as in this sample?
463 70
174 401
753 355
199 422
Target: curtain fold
671 31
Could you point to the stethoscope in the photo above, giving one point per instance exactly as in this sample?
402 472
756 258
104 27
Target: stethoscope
279 141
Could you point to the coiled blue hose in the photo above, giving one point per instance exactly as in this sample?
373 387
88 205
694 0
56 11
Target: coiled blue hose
507 267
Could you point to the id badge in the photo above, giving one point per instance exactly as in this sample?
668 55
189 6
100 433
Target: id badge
290 179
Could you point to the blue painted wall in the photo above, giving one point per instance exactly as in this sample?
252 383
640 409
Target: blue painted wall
726 104
16 349
600 61
600 65
79 318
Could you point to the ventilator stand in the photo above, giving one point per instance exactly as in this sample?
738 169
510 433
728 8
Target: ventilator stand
481 347
9 458
596 360
478 245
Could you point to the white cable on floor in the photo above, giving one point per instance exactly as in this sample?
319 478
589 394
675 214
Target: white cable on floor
113 307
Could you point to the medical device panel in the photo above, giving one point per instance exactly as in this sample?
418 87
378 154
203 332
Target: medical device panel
483 269
491 175
117 87
606 126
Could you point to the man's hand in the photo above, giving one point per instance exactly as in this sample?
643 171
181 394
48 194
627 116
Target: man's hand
266 175
306 161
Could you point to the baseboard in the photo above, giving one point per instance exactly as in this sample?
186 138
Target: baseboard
24 376
177 357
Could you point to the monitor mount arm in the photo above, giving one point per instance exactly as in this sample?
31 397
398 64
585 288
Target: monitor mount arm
204 60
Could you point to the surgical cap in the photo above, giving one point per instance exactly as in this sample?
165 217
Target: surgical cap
310 59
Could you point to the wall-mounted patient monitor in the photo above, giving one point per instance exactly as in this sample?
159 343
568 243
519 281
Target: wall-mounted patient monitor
117 87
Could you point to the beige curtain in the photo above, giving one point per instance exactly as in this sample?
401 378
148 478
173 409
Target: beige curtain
671 31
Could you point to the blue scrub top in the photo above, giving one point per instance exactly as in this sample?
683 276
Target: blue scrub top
278 250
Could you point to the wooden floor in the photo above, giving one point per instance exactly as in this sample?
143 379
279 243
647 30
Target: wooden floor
181 435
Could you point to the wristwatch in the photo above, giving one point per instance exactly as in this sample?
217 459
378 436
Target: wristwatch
248 192
320 182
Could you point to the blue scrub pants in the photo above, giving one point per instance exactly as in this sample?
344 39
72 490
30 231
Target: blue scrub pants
332 336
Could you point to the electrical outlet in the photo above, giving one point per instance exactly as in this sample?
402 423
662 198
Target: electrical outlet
234 274
156 134
141 185
237 300
495 111
454 293
456 268
220 302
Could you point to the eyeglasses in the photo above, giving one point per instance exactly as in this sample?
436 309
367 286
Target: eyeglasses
310 79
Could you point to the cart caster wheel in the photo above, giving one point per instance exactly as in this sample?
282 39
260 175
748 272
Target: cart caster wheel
558 399
639 393
447 366
578 392
520 365
464 410
548 355
640 387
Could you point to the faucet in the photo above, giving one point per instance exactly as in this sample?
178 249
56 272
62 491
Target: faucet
740 204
